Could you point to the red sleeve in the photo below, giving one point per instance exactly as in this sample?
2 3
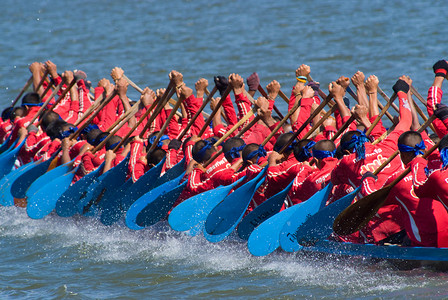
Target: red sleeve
192 105
84 101
419 177
304 114
292 100
435 97
229 110
244 106
379 129
134 167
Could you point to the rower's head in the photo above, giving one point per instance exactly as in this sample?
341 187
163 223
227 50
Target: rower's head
112 142
54 129
92 135
302 150
155 156
47 118
322 150
162 143
282 141
410 144
233 148
31 99
99 138
17 112
202 151
6 113
353 141
252 153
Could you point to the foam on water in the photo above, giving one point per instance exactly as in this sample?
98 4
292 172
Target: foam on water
156 258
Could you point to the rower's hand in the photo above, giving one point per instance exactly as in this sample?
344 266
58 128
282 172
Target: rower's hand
214 102
159 93
122 87
307 92
372 84
358 79
52 69
273 89
110 155
343 81
68 77
36 67
237 83
200 87
116 73
253 81
176 77
303 70
336 90
147 98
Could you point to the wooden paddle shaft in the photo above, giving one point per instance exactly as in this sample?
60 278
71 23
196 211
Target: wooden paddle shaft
92 107
167 122
44 105
157 110
313 114
264 94
25 87
196 115
343 127
378 118
317 125
240 133
381 106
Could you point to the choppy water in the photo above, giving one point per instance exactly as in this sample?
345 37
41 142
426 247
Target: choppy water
79 258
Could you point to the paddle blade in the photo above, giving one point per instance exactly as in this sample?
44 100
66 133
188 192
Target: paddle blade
265 238
67 204
44 200
195 210
288 240
142 202
262 212
8 158
231 210
157 209
22 183
320 225
143 185
6 198
47 177
357 215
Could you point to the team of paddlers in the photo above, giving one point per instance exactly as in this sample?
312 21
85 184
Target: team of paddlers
306 146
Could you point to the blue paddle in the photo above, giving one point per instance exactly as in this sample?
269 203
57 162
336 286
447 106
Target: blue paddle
67 204
142 202
8 158
230 211
143 185
115 211
262 212
6 198
265 238
193 211
42 202
158 208
4 146
288 240
106 184
320 225
23 182
47 177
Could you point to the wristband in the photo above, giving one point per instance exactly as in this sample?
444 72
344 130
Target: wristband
301 79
